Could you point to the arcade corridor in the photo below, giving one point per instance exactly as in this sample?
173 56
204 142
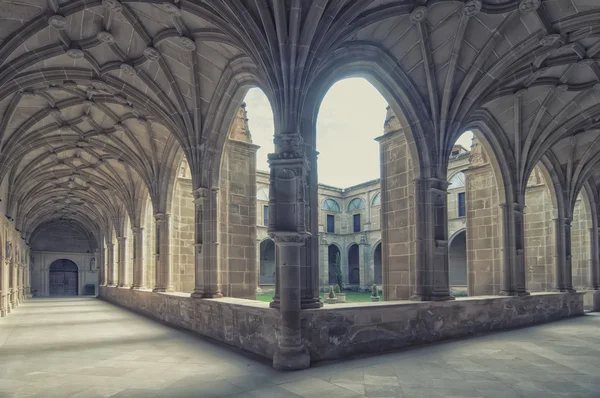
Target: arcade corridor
76 347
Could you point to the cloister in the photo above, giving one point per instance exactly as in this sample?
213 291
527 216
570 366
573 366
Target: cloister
128 170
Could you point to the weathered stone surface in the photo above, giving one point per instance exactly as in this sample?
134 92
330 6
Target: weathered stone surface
347 329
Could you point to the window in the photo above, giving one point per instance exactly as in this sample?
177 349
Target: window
461 204
330 223
376 200
457 181
356 204
356 219
266 215
330 205
263 194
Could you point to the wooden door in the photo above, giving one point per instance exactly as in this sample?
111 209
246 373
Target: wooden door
63 283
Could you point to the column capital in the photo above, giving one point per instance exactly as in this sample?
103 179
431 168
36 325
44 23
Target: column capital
289 238
121 239
136 230
159 217
201 193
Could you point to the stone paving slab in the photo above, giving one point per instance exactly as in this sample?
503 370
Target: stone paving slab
83 347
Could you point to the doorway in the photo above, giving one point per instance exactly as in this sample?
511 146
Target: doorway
63 278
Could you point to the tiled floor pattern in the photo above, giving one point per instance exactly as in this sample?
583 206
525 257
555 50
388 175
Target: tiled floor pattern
88 348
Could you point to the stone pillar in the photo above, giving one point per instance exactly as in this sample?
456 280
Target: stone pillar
513 241
207 244
562 262
324 262
288 212
110 264
122 261
432 240
139 266
3 288
163 262
594 281
102 262
15 288
398 243
365 266
309 268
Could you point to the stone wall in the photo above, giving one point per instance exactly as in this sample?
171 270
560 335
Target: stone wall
484 255
237 211
249 325
397 217
182 236
539 237
346 329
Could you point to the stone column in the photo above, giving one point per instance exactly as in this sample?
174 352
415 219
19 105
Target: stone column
309 268
110 264
15 287
324 261
163 263
366 268
102 262
122 261
288 213
2 289
139 266
562 262
207 244
513 242
432 283
594 281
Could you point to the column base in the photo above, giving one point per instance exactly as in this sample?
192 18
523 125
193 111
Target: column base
137 287
274 304
421 297
564 290
306 304
162 290
285 359
513 293
199 294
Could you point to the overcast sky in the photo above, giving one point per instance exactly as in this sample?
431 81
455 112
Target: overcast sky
351 117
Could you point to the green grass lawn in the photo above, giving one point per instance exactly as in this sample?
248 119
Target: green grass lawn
351 297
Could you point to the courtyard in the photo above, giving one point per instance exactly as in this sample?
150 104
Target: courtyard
84 347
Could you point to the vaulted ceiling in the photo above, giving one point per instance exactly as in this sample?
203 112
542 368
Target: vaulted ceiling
100 100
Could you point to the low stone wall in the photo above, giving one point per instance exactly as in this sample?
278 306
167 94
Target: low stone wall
249 325
341 330
591 300
349 329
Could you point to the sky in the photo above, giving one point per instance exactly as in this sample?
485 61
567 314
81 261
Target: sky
350 118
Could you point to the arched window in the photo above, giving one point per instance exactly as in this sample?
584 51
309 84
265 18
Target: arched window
356 204
263 194
330 205
376 200
457 181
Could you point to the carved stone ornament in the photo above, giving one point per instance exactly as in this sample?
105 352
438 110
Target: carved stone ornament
128 69
151 54
171 9
75 53
585 62
418 14
58 22
65 129
286 174
471 8
289 145
93 264
288 238
551 40
529 5
28 94
187 43
8 250
105 37
112 5
561 88
119 127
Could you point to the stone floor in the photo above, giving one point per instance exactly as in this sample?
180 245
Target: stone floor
88 348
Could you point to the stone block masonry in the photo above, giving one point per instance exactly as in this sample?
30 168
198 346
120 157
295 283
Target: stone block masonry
347 329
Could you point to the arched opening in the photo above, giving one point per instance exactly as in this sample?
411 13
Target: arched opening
377 265
267 262
353 265
182 231
333 257
581 251
457 263
64 278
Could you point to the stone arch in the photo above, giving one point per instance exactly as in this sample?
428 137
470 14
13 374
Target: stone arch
63 278
457 259
333 250
581 250
353 264
377 261
267 262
